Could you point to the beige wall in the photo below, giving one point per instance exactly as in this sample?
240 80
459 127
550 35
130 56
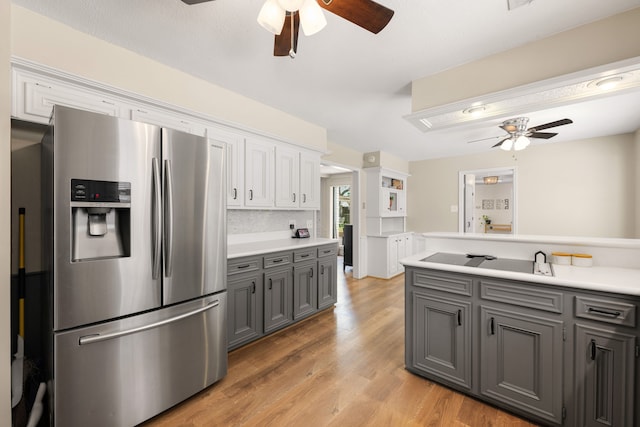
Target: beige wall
5 201
598 43
39 39
579 188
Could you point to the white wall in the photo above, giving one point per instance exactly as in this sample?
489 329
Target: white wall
493 192
579 188
5 201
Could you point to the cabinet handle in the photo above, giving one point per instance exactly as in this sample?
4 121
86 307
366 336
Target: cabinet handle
294 197
235 194
459 317
311 272
322 269
250 194
253 287
492 326
270 284
275 261
304 198
304 256
593 349
244 266
603 312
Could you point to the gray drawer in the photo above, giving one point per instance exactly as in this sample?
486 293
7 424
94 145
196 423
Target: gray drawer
242 265
328 250
606 310
524 295
304 254
454 283
277 259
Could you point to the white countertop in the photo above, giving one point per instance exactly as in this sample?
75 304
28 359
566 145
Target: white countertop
606 279
265 246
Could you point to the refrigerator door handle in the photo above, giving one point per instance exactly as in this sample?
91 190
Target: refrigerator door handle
90 339
168 219
157 222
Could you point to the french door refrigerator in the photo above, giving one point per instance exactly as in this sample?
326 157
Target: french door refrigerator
135 249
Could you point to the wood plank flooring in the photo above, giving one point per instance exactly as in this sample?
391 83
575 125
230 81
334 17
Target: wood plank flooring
343 367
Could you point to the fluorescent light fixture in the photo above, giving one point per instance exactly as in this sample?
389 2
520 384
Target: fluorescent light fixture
271 16
489 180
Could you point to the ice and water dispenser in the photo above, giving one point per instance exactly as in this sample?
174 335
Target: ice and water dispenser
100 219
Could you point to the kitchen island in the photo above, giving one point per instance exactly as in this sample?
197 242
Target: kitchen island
560 350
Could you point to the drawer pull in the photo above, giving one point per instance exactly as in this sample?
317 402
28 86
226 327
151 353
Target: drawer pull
603 312
304 256
244 266
593 349
327 252
277 260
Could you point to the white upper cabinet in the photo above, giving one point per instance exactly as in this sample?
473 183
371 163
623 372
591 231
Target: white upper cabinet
259 173
309 180
167 119
287 190
234 164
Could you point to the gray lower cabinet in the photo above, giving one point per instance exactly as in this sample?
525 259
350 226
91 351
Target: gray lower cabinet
442 338
245 308
327 276
278 297
521 361
305 289
271 291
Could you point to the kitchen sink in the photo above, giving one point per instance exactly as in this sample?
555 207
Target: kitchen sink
482 261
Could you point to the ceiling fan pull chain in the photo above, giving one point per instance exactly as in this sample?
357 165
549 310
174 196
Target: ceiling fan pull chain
292 53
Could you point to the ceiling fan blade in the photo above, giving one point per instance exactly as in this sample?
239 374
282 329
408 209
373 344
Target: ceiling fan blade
485 139
500 143
365 13
190 2
542 135
551 125
282 43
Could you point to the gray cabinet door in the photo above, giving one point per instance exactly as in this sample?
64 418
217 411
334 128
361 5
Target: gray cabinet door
604 363
245 308
521 361
305 289
442 338
327 281
278 297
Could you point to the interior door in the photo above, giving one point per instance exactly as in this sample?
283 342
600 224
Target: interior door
194 231
469 203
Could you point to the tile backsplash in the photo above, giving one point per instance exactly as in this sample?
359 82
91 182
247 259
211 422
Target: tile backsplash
265 221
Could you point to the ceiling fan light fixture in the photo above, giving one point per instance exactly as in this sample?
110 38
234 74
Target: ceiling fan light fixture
474 110
521 143
291 5
312 19
608 82
271 16
507 144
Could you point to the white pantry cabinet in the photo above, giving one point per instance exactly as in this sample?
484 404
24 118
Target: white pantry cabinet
386 193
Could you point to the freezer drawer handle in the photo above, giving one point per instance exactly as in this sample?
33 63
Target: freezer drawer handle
90 339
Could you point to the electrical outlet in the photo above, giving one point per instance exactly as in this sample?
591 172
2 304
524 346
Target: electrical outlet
292 224
309 224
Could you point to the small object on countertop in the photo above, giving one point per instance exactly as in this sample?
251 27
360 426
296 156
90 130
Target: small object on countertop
582 260
561 258
540 257
542 269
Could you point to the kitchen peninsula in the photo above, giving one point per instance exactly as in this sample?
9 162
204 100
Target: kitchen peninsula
559 349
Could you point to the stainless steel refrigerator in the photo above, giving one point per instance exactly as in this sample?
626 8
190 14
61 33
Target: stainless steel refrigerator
135 249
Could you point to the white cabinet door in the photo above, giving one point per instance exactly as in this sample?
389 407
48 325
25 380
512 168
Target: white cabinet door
309 181
287 177
166 119
258 168
234 164
402 251
392 256
35 96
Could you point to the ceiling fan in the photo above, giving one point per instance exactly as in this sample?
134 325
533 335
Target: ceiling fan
284 17
518 133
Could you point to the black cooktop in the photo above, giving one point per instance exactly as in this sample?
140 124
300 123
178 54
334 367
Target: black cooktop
482 261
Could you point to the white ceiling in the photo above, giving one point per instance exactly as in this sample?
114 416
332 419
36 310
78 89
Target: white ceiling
353 83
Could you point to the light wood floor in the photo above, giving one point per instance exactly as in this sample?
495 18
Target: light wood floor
343 367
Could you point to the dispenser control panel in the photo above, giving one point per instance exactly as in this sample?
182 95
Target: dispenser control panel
85 190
